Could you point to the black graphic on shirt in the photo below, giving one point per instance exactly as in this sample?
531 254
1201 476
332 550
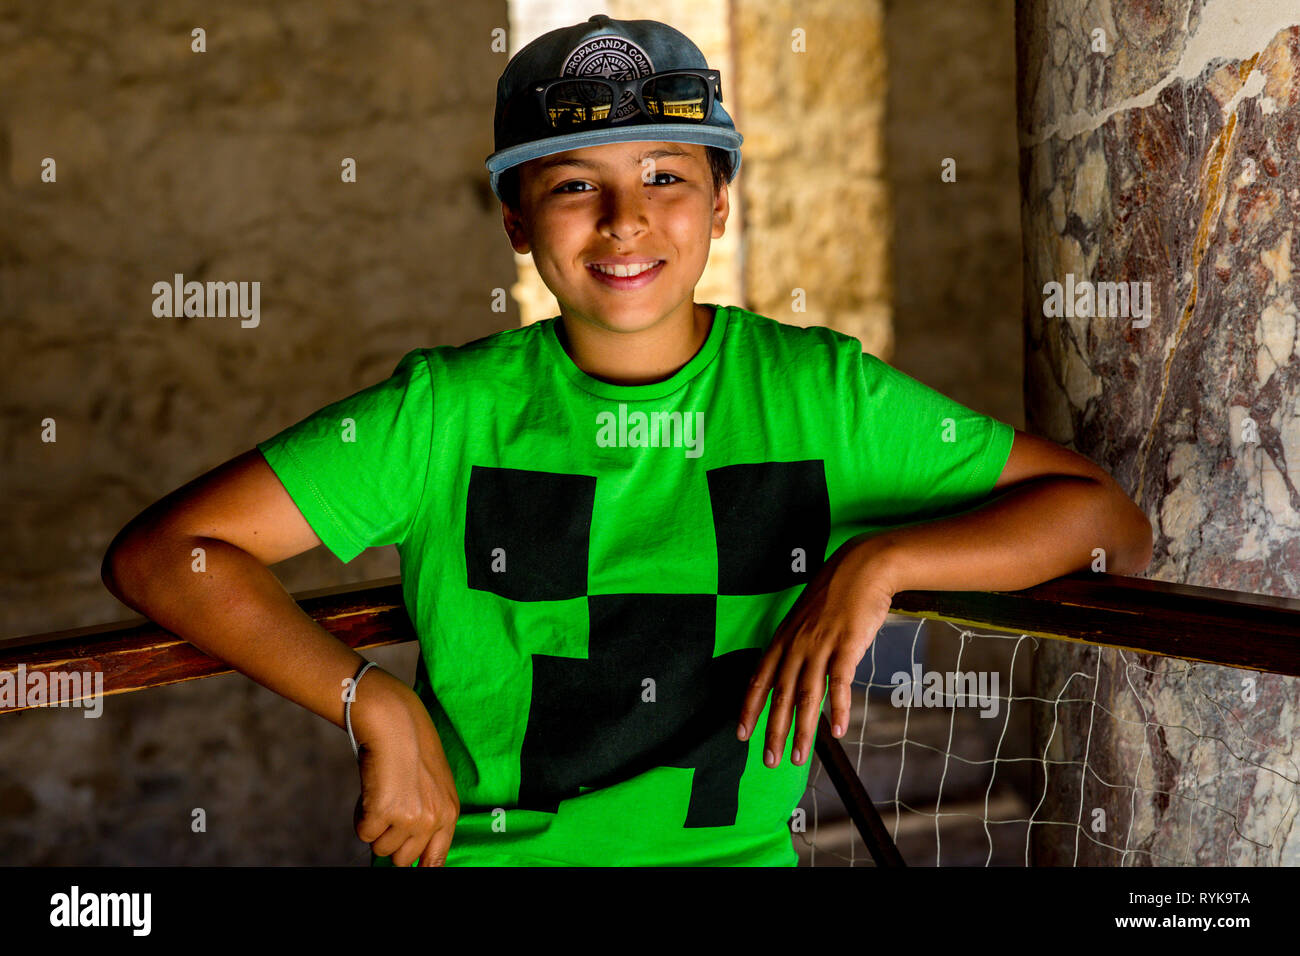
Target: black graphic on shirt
587 727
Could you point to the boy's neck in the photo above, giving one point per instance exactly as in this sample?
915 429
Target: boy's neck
636 358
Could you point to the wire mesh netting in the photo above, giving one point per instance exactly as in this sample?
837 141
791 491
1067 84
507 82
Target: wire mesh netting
981 749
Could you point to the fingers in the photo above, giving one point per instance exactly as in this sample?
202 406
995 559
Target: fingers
811 690
409 805
407 841
369 826
758 687
797 698
843 671
393 839
778 716
406 825
435 852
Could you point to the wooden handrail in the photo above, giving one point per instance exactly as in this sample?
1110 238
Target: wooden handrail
1231 628
138 654
1256 632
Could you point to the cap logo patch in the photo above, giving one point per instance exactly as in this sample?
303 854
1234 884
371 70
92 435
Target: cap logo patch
615 57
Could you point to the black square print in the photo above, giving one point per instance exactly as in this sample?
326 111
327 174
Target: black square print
527 533
772 522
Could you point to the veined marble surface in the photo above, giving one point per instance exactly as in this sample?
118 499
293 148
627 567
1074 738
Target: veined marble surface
1160 149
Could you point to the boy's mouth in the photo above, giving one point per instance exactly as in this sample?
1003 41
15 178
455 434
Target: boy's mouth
633 276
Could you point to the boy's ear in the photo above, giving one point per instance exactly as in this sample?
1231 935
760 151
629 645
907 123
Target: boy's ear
721 210
513 221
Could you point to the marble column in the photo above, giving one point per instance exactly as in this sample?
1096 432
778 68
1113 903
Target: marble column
1160 150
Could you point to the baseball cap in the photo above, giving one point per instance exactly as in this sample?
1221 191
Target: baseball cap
617 49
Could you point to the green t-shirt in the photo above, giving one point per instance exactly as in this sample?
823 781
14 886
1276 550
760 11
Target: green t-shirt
593 570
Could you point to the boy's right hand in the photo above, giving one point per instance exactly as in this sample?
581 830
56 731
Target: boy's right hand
408 805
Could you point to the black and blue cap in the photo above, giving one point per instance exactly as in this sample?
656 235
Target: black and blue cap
618 50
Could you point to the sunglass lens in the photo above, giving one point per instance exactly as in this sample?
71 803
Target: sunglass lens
576 103
677 98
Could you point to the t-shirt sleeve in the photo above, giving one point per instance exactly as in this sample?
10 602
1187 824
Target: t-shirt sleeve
923 453
357 468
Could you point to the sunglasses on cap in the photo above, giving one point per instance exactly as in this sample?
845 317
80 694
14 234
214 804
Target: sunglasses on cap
570 103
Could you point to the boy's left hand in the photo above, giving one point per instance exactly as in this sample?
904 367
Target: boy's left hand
829 627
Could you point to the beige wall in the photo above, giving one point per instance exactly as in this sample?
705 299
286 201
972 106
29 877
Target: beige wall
956 246
817 210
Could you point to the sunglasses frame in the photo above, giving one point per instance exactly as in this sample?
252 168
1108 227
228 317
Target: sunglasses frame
537 94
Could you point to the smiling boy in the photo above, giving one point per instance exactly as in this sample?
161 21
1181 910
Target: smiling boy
601 621
660 205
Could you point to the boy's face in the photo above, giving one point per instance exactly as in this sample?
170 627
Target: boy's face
644 200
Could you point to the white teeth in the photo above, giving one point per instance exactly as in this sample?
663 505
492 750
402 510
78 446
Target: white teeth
632 270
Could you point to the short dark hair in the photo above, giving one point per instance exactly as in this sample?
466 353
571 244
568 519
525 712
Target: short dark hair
719 168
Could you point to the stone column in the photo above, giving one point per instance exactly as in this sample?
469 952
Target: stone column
1160 148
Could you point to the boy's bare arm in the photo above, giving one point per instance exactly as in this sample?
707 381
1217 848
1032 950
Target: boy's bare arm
1050 509
235 609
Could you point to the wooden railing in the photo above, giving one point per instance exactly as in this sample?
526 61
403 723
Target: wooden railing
1229 628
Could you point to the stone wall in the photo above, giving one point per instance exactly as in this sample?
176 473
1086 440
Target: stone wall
812 82
956 245
221 166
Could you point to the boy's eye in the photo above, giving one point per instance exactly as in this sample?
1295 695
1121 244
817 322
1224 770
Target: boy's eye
579 182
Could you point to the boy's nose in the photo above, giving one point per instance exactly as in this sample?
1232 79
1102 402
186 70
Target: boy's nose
624 212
